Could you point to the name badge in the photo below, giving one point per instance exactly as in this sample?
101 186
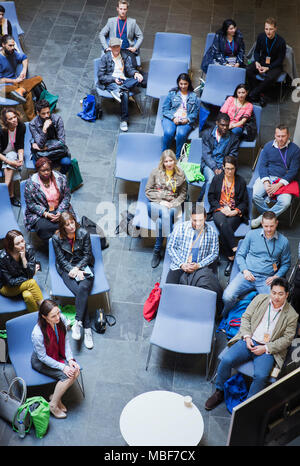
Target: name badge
268 60
266 337
275 268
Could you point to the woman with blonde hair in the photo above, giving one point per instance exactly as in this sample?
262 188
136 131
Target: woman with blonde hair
166 190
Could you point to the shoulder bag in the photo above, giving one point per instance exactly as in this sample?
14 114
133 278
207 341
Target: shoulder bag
9 403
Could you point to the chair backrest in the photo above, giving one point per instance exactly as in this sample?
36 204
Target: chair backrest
96 62
19 332
169 46
250 195
209 40
195 154
187 303
221 81
257 112
162 76
8 220
22 196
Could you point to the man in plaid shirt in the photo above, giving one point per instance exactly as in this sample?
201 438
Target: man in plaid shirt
192 246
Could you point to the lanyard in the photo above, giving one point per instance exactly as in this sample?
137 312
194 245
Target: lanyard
273 317
231 45
121 32
171 182
283 156
73 242
267 47
226 190
12 140
271 255
56 333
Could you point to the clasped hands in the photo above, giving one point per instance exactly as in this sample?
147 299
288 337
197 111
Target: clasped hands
180 121
71 369
272 188
189 267
261 69
76 273
256 349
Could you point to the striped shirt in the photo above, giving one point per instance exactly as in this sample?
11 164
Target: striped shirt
180 244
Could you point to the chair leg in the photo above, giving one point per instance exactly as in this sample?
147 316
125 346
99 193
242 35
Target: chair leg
80 384
108 301
130 243
114 188
148 357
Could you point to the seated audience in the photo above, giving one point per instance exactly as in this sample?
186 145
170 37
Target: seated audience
5 24
74 262
179 113
125 29
238 108
227 49
263 256
12 135
269 54
117 75
228 200
48 135
17 86
217 143
47 195
52 354
279 167
166 190
17 269
267 330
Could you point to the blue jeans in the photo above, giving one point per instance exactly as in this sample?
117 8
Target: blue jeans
237 354
260 197
128 84
238 131
208 175
180 132
164 218
240 286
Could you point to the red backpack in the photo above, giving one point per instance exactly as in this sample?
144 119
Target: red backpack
152 302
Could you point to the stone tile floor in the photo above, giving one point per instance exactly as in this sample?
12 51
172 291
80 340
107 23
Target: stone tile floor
61 39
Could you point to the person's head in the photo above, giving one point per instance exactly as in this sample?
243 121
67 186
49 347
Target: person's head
122 9
269 223
67 225
43 109
282 135
14 241
229 164
49 313
241 92
229 27
44 168
270 28
2 12
279 291
168 161
184 83
115 45
10 118
8 44
198 216
222 122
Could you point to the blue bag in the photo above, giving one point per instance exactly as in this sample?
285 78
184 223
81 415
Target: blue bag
203 115
88 112
235 391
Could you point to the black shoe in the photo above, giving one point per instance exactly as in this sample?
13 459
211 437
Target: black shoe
14 201
214 400
228 268
155 259
18 97
263 101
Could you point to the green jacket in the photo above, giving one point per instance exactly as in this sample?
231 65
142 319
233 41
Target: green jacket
284 331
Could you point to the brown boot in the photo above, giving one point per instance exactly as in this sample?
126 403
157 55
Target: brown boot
214 400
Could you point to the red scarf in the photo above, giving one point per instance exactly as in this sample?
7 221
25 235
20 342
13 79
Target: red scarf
54 349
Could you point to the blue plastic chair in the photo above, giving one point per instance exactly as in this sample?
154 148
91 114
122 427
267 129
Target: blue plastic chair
208 43
173 46
162 76
11 14
221 81
11 305
29 162
100 285
252 144
137 155
8 220
243 228
166 268
280 80
141 217
185 328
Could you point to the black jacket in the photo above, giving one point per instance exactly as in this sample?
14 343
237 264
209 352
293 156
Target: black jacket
107 67
81 256
13 272
277 51
240 194
20 135
232 148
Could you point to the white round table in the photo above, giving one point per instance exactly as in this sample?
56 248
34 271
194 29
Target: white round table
161 418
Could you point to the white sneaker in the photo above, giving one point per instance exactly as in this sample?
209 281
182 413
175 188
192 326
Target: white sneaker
124 126
256 222
116 95
76 330
88 339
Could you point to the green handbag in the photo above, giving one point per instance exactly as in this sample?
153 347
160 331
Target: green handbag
38 411
74 176
69 311
192 171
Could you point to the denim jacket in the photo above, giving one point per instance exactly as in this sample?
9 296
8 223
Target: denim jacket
173 102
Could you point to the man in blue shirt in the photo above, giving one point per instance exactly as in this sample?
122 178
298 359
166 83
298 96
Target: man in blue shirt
13 70
263 255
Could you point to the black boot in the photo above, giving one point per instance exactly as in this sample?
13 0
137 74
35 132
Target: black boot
228 268
155 258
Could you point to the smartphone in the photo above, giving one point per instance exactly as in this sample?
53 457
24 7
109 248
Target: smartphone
38 263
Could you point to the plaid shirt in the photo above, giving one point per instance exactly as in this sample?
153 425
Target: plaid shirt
180 243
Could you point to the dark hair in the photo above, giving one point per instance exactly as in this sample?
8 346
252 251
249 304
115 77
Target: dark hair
282 127
10 238
6 38
185 77
271 21
4 112
223 116
45 308
281 281
43 161
40 104
198 209
2 9
225 26
241 86
269 215
64 217
230 159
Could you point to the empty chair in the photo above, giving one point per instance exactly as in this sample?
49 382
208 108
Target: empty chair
181 327
221 82
162 76
252 144
172 46
8 220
